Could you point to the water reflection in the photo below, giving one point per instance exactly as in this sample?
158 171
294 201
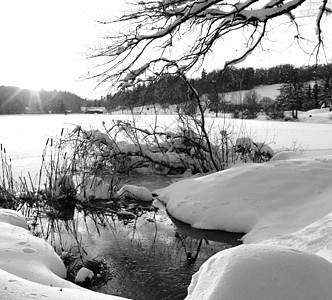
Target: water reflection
231 238
149 259
151 256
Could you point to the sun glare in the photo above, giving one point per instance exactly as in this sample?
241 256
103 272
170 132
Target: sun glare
44 43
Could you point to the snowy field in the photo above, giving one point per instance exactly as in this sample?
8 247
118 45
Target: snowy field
25 136
283 207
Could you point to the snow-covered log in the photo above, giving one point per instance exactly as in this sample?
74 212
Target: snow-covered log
140 193
97 137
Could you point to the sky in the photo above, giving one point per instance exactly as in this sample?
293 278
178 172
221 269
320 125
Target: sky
44 44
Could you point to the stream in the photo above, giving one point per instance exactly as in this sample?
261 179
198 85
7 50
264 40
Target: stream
153 258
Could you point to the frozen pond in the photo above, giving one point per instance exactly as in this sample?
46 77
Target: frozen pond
24 136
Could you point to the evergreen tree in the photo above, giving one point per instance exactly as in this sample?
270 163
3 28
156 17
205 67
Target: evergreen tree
291 97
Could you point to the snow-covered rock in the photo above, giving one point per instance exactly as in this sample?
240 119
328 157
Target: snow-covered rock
83 275
140 193
256 272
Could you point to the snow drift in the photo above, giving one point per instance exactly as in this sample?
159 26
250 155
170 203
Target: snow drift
262 200
29 267
284 207
256 272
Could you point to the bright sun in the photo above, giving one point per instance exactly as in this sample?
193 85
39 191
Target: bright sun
43 43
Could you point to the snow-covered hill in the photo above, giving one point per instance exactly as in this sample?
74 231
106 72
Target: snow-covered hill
271 91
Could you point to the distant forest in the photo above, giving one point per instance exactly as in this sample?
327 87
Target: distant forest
170 89
14 100
302 88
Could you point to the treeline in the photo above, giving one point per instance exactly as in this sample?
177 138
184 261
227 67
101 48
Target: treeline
14 100
304 96
171 89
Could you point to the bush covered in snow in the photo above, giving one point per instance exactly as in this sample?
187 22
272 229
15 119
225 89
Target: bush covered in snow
253 151
126 147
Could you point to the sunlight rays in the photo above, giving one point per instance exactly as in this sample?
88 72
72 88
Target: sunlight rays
44 41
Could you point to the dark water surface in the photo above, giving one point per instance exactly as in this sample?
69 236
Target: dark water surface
152 259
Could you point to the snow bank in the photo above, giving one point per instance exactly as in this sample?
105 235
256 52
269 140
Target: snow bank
256 272
17 288
314 238
29 267
284 206
262 200
322 115
286 155
12 217
19 248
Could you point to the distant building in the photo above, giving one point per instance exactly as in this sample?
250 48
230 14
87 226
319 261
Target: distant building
94 110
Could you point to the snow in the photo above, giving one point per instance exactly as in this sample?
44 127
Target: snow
261 200
323 115
29 267
84 274
262 273
264 149
140 193
285 155
244 143
282 206
284 209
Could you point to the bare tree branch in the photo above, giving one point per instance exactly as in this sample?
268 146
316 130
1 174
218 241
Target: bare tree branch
157 33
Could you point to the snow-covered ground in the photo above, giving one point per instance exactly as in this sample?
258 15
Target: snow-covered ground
284 208
323 115
29 267
258 272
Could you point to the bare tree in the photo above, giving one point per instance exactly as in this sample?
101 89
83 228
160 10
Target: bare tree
175 36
